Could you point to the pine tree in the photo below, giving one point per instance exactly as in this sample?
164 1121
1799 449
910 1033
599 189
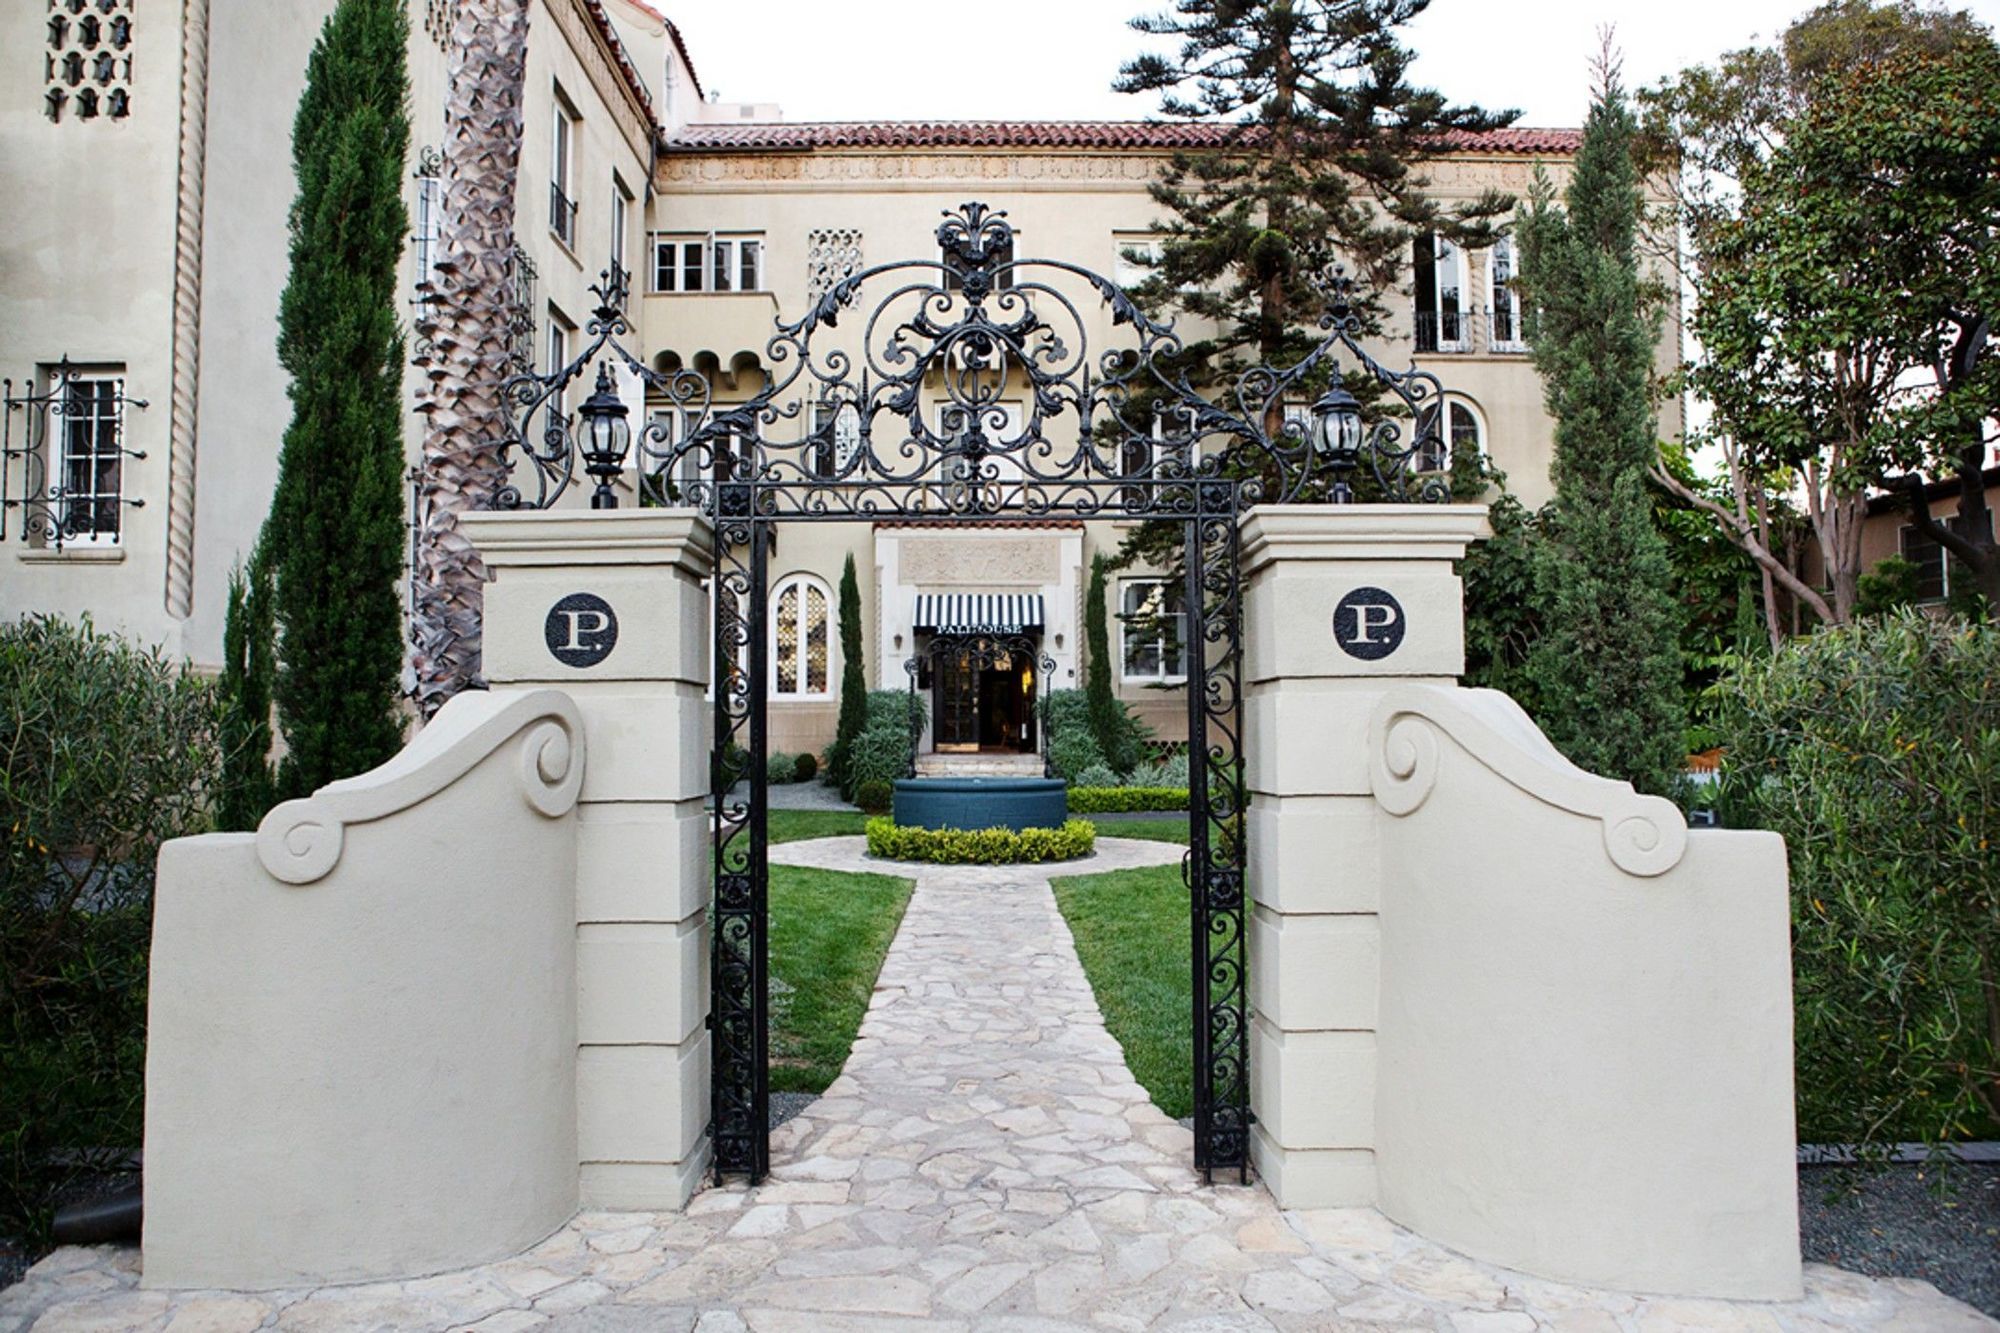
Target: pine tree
336 527
1606 668
853 679
1324 144
248 671
1322 161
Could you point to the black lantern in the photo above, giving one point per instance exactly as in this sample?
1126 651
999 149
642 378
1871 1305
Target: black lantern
606 437
1336 436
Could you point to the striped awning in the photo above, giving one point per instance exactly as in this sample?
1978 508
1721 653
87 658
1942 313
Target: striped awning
978 613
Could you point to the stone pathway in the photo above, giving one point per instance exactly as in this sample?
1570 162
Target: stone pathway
984 1162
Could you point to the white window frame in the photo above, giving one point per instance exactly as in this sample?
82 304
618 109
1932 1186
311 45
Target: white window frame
562 169
1129 273
1503 298
112 396
731 256
806 584
1444 250
1451 408
1161 639
621 206
846 438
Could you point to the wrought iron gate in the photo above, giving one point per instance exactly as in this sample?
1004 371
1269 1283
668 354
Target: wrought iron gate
839 433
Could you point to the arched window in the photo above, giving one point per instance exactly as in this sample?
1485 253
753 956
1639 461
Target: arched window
799 639
1462 430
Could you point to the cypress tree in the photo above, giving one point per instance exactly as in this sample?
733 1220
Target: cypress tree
1606 668
1100 704
853 679
336 527
247 676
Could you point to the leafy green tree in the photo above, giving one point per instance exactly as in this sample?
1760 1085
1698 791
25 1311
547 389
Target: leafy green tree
1839 196
249 640
1606 666
853 679
336 527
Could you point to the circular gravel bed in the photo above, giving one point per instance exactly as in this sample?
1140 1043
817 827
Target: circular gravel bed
1898 1223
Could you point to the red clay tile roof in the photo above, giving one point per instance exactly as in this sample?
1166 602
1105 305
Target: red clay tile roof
807 135
629 71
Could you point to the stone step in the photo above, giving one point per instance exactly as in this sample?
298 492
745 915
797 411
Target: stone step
992 765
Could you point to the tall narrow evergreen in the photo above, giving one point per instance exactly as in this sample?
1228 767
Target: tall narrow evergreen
853 679
1606 667
1102 704
336 528
248 672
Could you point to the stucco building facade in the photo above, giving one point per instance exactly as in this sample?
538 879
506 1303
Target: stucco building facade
152 253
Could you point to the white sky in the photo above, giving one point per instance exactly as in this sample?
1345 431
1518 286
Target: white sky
1055 59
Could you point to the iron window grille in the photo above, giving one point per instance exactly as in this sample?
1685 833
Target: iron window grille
63 453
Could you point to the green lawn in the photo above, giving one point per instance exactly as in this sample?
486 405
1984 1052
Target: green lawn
1131 929
829 932
1153 828
798 825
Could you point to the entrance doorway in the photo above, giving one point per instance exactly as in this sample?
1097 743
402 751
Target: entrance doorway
983 702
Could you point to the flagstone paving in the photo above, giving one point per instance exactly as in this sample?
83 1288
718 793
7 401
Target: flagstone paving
985 1161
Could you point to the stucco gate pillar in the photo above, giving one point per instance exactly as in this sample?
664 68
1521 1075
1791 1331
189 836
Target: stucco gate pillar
1520 1008
609 607
1340 604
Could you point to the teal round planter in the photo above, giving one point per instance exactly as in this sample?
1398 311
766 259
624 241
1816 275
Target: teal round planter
976 803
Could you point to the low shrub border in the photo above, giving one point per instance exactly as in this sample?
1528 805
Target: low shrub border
986 846
1125 800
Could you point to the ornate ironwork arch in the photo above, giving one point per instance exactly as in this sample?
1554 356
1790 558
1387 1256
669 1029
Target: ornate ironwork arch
965 386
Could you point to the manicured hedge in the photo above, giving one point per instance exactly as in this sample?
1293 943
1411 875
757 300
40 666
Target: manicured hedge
1122 800
987 846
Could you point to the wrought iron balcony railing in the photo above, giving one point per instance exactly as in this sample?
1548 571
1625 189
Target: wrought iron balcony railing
562 215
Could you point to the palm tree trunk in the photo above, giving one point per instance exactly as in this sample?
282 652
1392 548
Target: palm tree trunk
468 329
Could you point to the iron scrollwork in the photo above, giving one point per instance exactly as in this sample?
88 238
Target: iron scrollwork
965 387
63 455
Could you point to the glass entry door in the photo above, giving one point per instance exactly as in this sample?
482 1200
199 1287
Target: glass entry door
957 724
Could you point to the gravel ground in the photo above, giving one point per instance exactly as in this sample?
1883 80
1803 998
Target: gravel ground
1897 1224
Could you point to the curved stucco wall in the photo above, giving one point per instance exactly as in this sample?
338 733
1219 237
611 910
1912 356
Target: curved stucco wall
362 1052
1585 1024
